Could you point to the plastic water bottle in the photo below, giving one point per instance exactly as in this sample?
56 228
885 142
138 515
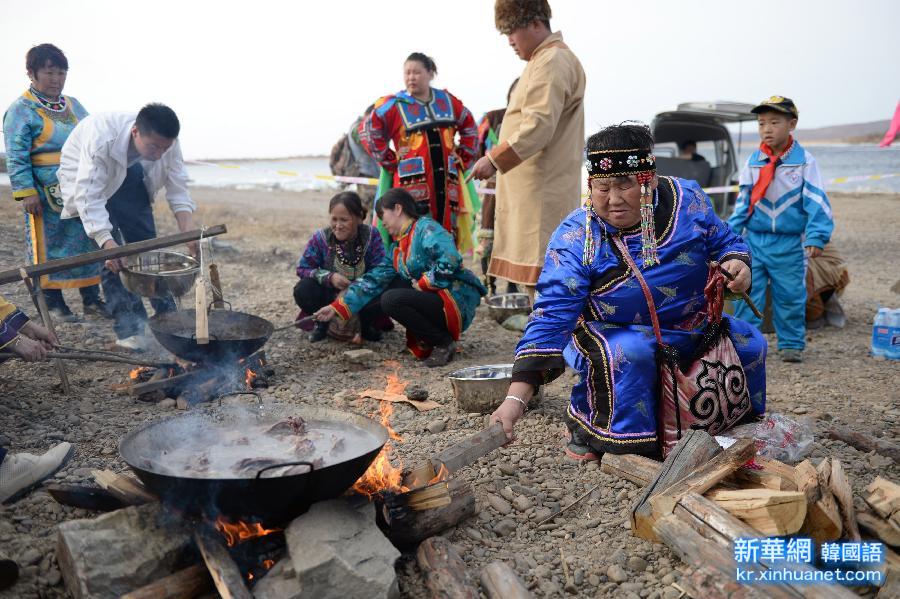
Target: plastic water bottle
886 334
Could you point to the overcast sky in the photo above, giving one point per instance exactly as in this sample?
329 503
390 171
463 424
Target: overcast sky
265 78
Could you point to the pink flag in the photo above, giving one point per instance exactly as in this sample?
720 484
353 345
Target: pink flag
893 130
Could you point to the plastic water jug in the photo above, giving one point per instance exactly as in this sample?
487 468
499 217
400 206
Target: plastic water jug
886 334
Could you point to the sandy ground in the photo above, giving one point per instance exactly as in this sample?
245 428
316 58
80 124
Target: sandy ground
838 382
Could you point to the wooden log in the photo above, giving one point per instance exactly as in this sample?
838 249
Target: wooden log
823 520
865 442
225 574
843 494
694 449
771 512
169 386
129 249
470 450
771 474
84 497
446 575
500 581
185 584
407 527
693 549
118 552
636 468
704 477
9 572
128 490
884 498
714 524
200 313
216 284
884 530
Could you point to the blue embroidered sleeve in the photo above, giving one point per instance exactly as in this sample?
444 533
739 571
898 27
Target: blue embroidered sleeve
364 289
819 222
313 259
444 260
562 291
18 134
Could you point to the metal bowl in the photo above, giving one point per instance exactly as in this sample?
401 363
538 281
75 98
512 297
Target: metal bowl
160 273
504 305
481 388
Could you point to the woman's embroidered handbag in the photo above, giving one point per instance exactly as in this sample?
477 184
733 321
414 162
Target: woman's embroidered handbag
710 386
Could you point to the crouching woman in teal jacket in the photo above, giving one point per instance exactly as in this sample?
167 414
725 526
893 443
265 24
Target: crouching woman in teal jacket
422 282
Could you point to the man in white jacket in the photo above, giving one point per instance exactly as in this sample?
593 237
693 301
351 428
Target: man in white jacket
111 167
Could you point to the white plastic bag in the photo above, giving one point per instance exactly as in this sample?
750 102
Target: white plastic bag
777 437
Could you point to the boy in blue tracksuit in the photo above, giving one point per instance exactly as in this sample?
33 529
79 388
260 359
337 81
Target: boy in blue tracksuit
781 210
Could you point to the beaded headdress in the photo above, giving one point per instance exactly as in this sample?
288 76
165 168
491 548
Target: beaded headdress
605 164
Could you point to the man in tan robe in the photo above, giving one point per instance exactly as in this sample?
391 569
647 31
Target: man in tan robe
539 158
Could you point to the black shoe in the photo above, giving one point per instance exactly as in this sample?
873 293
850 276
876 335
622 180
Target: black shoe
63 314
318 333
441 355
97 308
370 333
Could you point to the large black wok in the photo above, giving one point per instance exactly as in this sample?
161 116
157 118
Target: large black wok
232 335
267 497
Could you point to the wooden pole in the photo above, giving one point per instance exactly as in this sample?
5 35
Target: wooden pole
95 358
224 571
216 285
40 302
185 584
129 249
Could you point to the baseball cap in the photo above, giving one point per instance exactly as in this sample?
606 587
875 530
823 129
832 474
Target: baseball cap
777 103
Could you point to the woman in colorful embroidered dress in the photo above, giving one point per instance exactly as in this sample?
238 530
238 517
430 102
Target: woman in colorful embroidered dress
34 128
335 257
423 122
421 281
591 312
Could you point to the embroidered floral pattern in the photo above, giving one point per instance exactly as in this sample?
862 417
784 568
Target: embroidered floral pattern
632 161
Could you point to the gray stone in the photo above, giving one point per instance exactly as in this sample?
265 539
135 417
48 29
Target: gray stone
637 564
118 552
499 504
516 323
522 503
338 552
507 469
436 426
279 583
417 393
360 356
32 556
616 573
505 527
167 404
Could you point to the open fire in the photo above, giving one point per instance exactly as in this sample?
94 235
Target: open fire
238 532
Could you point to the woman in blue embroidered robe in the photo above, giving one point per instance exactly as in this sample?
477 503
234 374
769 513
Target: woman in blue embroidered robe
592 315
422 282
35 127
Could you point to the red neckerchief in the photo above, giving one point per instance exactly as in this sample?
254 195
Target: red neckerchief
767 173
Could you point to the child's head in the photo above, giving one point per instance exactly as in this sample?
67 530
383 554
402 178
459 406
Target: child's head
777 118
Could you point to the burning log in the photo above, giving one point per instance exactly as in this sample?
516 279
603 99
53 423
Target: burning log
446 575
185 584
169 385
225 574
407 526
128 490
501 582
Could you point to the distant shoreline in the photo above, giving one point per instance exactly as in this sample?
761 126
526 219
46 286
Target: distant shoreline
273 158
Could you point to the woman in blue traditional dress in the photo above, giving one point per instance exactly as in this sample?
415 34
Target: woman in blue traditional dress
422 282
35 127
592 314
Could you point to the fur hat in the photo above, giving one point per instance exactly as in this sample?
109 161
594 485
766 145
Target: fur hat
510 15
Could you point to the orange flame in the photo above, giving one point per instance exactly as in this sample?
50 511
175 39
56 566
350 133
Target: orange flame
251 376
268 563
137 372
442 475
382 475
238 532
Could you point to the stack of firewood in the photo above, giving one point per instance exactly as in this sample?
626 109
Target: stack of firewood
702 498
